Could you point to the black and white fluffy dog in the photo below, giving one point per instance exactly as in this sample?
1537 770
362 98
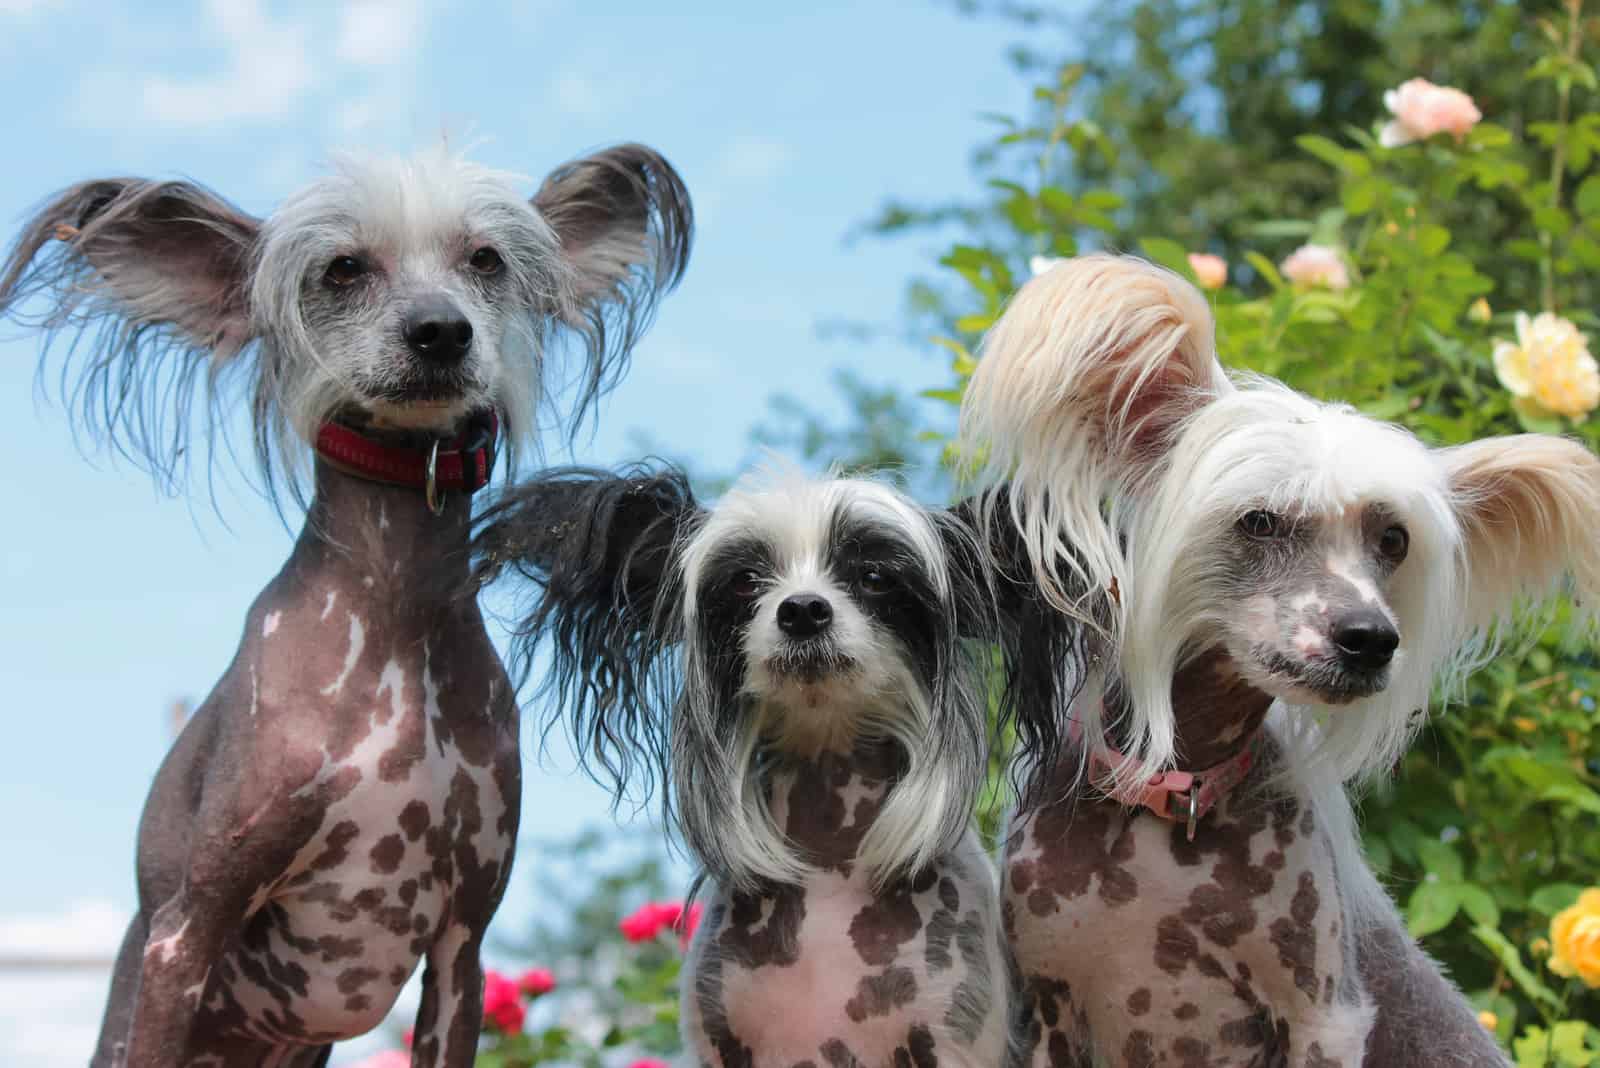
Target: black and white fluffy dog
807 659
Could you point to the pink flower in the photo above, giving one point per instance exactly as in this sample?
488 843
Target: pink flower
649 1062
536 982
502 1003
649 920
409 1038
1422 109
389 1058
1210 271
1316 265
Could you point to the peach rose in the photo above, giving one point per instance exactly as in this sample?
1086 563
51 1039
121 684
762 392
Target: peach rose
1210 271
1316 265
1422 109
1575 940
1549 368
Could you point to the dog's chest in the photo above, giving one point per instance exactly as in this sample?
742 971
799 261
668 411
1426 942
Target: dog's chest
829 973
1220 951
416 821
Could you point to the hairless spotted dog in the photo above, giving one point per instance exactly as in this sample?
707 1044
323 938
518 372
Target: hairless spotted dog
798 652
1277 582
345 803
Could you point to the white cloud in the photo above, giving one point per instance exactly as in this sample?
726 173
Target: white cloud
376 33
754 158
84 930
24 7
269 68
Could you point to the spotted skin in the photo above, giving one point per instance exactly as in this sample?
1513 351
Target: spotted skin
342 807
1149 949
832 975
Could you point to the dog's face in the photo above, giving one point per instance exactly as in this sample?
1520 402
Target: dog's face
401 292
1305 540
414 293
820 602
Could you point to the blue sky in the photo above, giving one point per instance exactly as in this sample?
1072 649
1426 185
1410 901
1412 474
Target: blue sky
789 123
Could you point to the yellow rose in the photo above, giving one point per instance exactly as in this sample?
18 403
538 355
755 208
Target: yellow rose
1548 367
1575 940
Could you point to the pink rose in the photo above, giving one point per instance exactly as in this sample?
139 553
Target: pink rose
1210 271
649 1062
502 1003
1316 265
389 1058
1422 109
536 982
649 920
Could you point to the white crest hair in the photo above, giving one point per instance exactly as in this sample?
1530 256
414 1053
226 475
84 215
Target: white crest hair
1100 400
938 723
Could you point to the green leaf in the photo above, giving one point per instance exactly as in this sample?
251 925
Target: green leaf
1552 898
1432 907
1432 240
974 324
1440 859
1265 269
1361 195
1511 960
1587 199
1169 254
1479 905
1568 1040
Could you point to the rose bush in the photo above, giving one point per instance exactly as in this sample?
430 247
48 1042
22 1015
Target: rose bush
1388 297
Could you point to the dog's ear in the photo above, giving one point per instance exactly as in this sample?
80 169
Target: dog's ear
1078 388
152 281
154 255
1529 508
625 223
1042 655
598 550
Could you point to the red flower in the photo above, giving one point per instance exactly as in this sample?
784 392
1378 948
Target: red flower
502 1003
649 1062
536 981
688 922
649 920
410 1036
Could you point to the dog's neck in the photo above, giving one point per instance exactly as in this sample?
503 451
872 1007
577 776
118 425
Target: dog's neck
385 537
825 804
1217 711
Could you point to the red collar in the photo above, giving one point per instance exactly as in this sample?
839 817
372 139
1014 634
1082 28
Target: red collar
1180 796
461 464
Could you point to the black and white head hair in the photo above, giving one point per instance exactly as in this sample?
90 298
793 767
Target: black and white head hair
1337 560
400 293
799 615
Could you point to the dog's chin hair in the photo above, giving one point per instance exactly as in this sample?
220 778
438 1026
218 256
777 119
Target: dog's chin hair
925 810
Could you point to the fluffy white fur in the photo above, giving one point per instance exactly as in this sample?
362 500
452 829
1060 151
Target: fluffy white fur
938 722
1130 456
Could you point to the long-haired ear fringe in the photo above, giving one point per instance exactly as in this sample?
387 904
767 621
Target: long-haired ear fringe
596 552
1077 390
148 281
626 225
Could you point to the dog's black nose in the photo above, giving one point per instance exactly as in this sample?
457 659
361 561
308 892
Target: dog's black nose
436 330
1366 639
804 615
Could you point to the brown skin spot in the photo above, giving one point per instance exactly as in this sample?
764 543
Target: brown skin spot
414 819
336 849
1078 847
1139 1001
1139 1051
1315 1058
1295 937
387 854
352 980
888 921
1191 1052
879 995
1176 945
1187 1011
835 1052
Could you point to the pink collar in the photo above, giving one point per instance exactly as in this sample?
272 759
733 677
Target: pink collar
1179 796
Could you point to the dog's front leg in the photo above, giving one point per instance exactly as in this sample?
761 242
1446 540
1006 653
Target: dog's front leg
451 1014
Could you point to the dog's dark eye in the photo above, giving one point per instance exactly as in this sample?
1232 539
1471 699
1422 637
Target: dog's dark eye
344 271
1393 543
875 580
746 584
1263 525
486 261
